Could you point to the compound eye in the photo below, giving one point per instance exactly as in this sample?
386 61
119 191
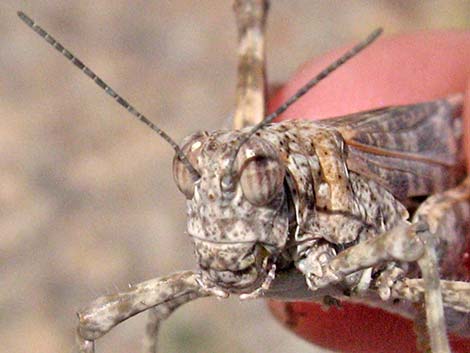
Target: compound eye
261 179
183 178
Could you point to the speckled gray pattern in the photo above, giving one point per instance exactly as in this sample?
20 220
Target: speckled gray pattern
88 201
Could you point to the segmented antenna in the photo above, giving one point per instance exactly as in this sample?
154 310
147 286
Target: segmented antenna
103 85
297 95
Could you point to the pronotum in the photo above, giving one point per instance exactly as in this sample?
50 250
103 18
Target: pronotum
454 101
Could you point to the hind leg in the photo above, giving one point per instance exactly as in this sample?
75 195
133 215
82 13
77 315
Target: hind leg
446 242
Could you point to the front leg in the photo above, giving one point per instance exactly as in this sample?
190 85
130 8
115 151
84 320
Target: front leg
399 243
313 260
164 293
407 243
435 239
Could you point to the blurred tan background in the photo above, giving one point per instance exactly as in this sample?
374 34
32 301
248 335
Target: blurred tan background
87 201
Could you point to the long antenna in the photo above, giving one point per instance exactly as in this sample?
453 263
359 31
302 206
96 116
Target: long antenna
297 95
117 97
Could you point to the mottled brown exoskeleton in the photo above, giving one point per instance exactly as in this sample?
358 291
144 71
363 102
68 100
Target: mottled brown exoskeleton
304 210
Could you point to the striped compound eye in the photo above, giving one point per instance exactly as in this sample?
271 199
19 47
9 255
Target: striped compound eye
262 176
183 178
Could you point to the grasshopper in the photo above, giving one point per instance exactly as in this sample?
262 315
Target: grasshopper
303 210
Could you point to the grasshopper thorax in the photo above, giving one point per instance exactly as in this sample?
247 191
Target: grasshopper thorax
237 232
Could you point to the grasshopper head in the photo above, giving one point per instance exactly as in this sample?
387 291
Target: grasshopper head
237 231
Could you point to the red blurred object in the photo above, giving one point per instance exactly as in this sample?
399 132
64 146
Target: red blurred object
353 328
392 71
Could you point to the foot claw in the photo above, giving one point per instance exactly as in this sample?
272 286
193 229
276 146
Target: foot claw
315 266
387 280
315 282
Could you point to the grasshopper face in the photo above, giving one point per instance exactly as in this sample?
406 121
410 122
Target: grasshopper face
237 232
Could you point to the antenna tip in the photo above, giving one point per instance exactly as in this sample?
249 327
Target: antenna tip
25 18
372 37
377 32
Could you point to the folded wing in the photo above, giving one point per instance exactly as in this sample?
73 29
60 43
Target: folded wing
412 150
